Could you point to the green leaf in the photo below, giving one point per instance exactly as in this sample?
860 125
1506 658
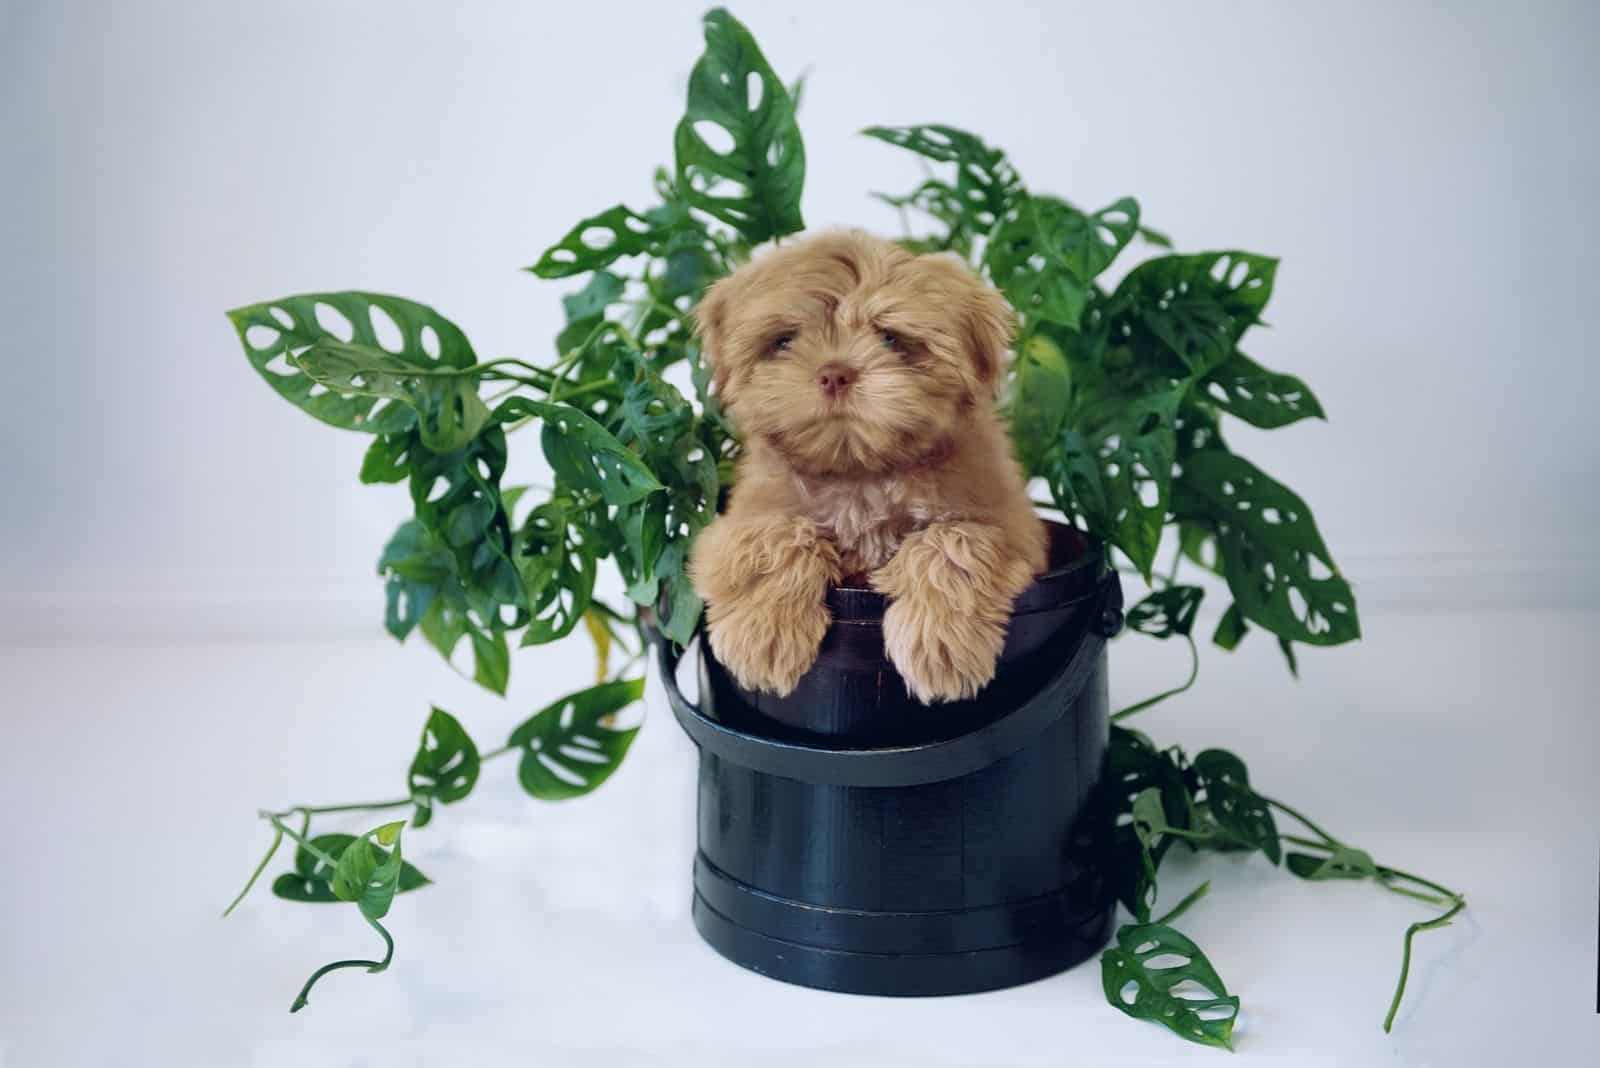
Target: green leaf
416 565
312 880
1137 774
1286 647
275 332
1046 254
986 183
368 876
1198 544
1167 611
557 561
1188 997
597 242
1231 628
456 497
388 458
583 454
1263 398
1154 237
681 605
449 410
1043 391
491 659
571 746
1344 862
1113 467
940 201
445 767
1189 311
1280 572
752 176
1238 809
601 291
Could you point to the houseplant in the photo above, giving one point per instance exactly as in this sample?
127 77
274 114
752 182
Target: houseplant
1117 397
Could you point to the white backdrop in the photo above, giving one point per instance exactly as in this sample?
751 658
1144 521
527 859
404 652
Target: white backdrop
1425 171
1427 174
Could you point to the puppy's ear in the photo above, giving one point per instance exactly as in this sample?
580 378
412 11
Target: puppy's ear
990 325
985 320
711 322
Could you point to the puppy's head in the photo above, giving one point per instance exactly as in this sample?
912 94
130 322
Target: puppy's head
849 355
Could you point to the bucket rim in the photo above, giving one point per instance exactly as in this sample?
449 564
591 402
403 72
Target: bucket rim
907 764
1058 585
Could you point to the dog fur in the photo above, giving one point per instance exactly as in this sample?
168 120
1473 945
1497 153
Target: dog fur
862 378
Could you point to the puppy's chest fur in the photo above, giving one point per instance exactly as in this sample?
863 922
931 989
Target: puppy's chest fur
868 518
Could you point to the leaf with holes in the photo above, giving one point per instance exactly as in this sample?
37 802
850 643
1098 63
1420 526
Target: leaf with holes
1280 572
275 332
424 589
986 184
312 879
1238 810
679 605
1185 313
1155 973
1113 467
940 202
599 241
583 454
737 101
573 746
456 496
449 410
1042 391
387 459
601 291
1263 398
1198 544
1046 254
445 768
367 875
1344 862
1167 611
414 565
557 564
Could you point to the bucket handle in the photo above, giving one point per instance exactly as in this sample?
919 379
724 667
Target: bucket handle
905 765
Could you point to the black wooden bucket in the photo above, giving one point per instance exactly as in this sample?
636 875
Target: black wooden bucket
853 839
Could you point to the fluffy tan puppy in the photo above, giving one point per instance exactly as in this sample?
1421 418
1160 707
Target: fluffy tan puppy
862 378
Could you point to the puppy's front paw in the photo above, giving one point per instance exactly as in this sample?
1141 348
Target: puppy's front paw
767 643
943 654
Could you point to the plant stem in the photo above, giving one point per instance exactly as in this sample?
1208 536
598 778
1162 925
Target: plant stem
1286 810
1194 673
1396 873
354 806
1456 901
277 840
491 754
558 394
372 966
301 839
1405 956
1183 906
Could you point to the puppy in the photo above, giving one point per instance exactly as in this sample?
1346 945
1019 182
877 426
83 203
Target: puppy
862 379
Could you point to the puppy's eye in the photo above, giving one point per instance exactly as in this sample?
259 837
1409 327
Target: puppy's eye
781 343
891 340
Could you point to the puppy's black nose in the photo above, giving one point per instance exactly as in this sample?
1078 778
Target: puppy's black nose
835 378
